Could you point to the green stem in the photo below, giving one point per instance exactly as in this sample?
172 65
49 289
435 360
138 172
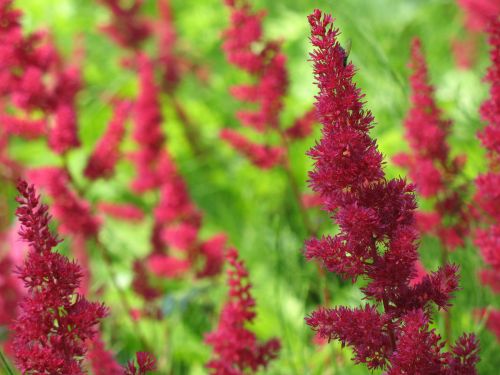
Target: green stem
5 363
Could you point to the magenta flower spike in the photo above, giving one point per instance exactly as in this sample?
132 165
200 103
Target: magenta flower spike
54 321
377 238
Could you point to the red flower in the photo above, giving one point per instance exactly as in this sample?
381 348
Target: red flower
106 153
145 362
430 165
73 213
127 27
487 195
101 360
54 321
377 236
262 156
236 349
149 158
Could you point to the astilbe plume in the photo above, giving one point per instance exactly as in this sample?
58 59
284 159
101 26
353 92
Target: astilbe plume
54 321
377 235
102 360
432 169
262 156
106 154
177 246
236 350
487 194
145 362
245 47
479 13
126 27
147 131
40 87
73 212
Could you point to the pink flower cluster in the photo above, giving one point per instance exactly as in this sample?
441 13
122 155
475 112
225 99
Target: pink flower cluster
54 321
126 27
36 80
246 48
102 161
377 238
430 165
235 348
479 13
487 195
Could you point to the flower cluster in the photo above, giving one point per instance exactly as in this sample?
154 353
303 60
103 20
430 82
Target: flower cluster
54 321
377 239
487 195
246 48
430 166
236 349
73 212
102 161
479 13
126 27
145 362
41 88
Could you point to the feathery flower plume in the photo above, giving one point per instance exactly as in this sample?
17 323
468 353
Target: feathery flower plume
72 212
102 162
377 238
479 13
430 165
236 349
122 211
262 156
488 194
127 27
147 132
246 48
102 360
54 321
63 134
145 362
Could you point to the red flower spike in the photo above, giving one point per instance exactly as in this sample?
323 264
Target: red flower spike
487 194
72 212
103 159
54 321
377 237
127 27
147 132
235 348
101 360
145 362
430 165
262 156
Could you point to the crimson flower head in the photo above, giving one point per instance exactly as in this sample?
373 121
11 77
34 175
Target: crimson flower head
54 321
487 194
236 349
429 163
245 47
102 162
377 237
145 362
149 157
73 212
127 27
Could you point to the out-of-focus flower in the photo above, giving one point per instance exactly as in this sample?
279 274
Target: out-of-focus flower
487 196
430 165
103 159
235 348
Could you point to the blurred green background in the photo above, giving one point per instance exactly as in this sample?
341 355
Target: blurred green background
255 208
